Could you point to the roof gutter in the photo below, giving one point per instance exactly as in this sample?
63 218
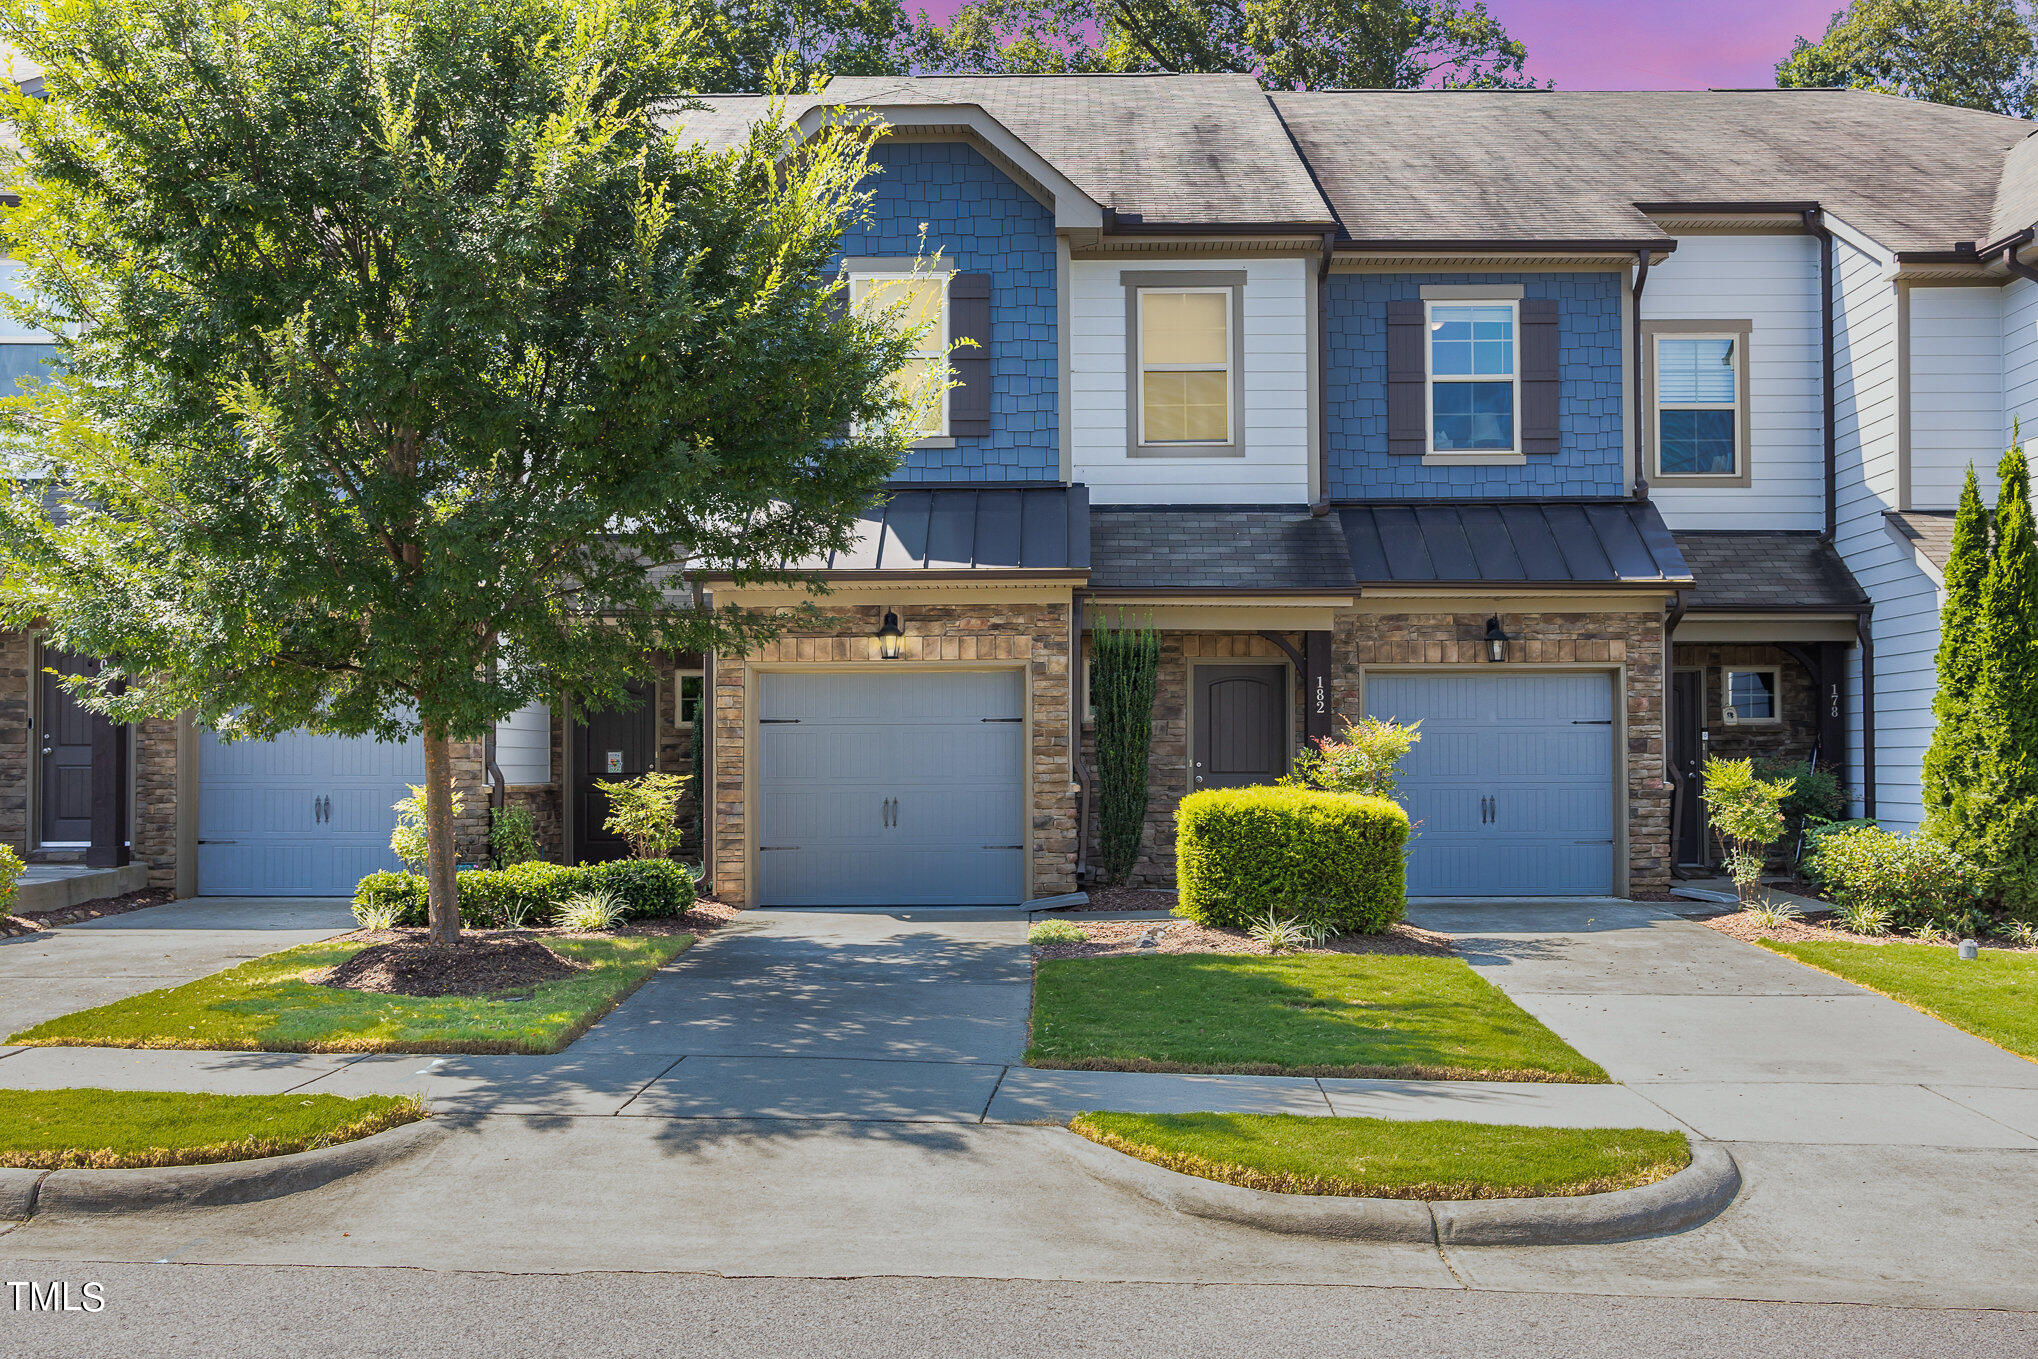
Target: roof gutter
1635 319
2015 265
1815 223
1321 506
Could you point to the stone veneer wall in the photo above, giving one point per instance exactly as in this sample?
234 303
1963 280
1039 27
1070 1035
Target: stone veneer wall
1035 633
1793 738
1448 639
1168 761
17 658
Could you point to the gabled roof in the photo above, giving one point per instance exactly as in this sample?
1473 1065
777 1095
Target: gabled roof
1435 166
1615 544
1762 571
1929 533
1157 150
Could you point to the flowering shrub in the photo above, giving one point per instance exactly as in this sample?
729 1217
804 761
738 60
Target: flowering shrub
1361 759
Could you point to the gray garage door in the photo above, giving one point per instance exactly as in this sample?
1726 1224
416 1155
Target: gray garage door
301 815
890 789
1512 783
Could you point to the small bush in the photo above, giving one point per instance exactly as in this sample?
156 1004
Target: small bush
1747 815
645 812
591 911
648 889
1861 918
1278 935
506 898
1911 880
1773 915
512 835
397 898
11 869
1055 932
1242 852
1363 758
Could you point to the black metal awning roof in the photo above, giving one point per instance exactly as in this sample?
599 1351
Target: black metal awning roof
1567 544
1031 529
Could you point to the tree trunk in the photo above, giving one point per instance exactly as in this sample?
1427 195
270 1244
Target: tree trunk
442 887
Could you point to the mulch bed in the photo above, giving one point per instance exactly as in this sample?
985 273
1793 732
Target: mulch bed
1123 899
1110 938
1815 927
479 965
11 925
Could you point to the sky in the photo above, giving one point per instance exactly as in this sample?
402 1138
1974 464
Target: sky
1642 44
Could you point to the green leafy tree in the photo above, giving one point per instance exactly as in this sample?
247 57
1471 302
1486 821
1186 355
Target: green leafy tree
645 812
2006 696
411 360
1124 673
742 42
1976 53
1286 44
1950 809
1746 812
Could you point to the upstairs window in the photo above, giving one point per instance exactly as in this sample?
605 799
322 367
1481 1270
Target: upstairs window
1698 422
1185 363
918 305
1474 364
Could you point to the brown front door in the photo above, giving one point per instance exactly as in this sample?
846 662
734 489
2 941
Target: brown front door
1241 725
618 744
1687 756
66 785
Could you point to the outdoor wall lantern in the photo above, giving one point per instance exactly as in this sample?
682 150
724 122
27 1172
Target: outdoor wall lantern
889 637
1496 640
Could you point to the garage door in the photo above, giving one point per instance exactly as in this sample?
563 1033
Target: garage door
301 815
1512 783
892 789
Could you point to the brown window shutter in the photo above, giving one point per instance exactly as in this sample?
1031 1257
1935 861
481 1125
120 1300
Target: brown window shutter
1539 385
969 318
1407 378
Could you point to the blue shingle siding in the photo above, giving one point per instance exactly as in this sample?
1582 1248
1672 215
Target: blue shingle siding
1589 462
985 224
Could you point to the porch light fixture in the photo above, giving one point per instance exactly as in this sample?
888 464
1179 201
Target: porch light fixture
889 637
1496 640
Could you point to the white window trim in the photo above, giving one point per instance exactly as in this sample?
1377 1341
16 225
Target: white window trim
1142 367
1430 380
946 337
1738 406
1775 673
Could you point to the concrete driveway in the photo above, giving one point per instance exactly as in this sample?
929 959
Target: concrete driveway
74 967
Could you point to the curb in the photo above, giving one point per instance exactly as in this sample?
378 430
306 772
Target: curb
103 1193
17 1192
1694 1195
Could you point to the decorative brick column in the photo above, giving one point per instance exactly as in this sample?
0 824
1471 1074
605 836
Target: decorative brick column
1633 639
1037 634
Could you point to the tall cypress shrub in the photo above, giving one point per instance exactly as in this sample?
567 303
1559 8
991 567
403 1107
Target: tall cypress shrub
2006 696
1949 763
1124 667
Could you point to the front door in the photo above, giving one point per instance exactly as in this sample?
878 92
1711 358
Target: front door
1241 725
66 754
1687 757
620 743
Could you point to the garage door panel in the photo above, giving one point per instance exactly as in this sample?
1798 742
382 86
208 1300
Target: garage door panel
834 749
1511 786
259 833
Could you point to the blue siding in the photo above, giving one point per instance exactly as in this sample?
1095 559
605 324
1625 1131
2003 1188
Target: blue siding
986 224
1589 412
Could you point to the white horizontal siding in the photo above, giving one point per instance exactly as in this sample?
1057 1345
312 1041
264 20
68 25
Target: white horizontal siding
1772 282
1274 468
1957 344
523 746
2019 311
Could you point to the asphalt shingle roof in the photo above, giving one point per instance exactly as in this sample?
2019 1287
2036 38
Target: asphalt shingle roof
1747 570
1562 543
1158 150
1402 166
1216 549
1931 531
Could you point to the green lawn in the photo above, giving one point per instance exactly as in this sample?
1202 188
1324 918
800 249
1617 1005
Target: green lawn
264 1005
1390 1158
107 1129
1994 997
1338 1014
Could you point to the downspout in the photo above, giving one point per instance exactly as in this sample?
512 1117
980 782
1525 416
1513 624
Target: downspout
2017 266
1078 701
1814 222
1635 299
1322 414
1864 633
1672 616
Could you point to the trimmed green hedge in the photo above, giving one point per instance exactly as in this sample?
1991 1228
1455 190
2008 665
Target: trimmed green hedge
491 897
1333 859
